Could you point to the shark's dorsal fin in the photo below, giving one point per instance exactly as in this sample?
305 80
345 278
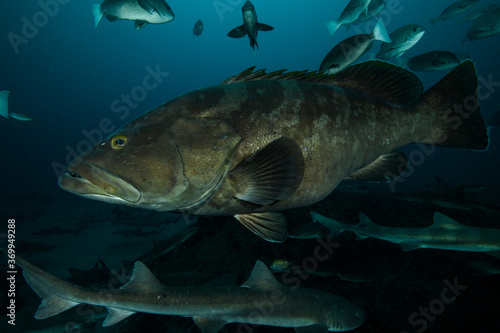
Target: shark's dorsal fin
261 278
116 315
209 325
444 222
390 83
142 281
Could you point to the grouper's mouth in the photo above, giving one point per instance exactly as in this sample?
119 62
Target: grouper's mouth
95 182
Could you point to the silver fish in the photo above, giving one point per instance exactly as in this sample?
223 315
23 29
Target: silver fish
349 15
142 12
4 103
4 108
373 9
455 9
210 306
352 48
403 39
475 14
487 25
434 61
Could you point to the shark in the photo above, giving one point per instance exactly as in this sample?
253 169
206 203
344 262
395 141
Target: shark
445 234
261 300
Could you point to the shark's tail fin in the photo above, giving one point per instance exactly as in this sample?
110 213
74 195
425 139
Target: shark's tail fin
96 10
332 26
334 226
457 120
4 103
45 285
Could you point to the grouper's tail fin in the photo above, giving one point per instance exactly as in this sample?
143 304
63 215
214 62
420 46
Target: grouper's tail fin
458 121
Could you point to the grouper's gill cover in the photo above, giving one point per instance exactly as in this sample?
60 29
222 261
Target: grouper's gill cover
264 142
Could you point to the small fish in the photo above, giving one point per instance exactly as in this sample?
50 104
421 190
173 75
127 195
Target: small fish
4 108
352 48
434 61
19 116
487 25
373 9
444 234
349 15
250 25
403 39
142 12
280 265
4 103
198 28
211 306
474 15
455 9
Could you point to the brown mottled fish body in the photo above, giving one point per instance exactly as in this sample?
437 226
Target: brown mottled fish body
262 143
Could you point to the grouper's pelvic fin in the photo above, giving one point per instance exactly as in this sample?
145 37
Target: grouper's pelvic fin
458 121
271 174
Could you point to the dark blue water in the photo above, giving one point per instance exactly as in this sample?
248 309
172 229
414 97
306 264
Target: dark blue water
71 77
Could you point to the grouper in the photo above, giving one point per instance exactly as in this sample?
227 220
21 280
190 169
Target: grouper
260 143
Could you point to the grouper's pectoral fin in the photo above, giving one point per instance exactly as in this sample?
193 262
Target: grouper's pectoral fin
269 226
385 168
271 174
209 325
318 328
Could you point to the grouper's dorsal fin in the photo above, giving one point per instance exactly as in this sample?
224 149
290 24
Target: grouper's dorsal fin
261 278
142 281
251 75
395 85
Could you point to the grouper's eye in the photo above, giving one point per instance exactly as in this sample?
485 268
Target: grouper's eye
118 142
